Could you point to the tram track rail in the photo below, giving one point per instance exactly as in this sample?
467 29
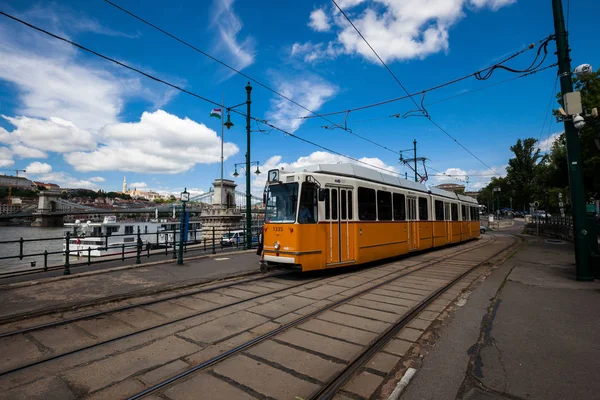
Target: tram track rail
159 387
427 263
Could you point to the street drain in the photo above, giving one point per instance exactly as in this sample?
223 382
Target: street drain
555 241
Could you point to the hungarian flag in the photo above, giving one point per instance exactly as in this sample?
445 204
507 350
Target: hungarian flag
216 112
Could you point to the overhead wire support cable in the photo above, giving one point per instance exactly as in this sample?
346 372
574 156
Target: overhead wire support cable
406 91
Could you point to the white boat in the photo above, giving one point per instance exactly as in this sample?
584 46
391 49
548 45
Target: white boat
112 237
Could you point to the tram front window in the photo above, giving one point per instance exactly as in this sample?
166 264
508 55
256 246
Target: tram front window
282 201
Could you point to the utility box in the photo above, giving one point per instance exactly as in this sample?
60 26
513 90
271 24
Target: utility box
572 102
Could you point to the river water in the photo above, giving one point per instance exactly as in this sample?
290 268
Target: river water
26 232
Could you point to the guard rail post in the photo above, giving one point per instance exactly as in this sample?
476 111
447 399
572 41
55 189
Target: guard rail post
67 270
214 251
139 247
174 244
21 248
45 260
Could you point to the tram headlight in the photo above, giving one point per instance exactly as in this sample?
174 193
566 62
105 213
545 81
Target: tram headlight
276 246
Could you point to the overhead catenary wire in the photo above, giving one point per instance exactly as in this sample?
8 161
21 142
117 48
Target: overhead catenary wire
420 107
548 108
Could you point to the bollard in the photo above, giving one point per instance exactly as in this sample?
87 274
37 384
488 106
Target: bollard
213 237
45 260
67 270
139 247
89 256
20 248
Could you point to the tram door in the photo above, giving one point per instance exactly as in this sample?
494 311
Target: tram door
448 218
340 210
413 224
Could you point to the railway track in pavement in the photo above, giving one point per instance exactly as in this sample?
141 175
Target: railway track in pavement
317 354
251 296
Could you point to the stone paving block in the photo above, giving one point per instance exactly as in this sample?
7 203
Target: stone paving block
18 350
322 292
264 328
375 305
418 323
300 361
284 319
435 307
119 391
277 308
398 294
429 315
320 344
265 299
205 386
390 300
52 388
409 334
337 297
223 327
99 374
169 309
251 287
397 347
350 281
63 338
363 384
273 285
163 372
105 327
339 331
236 292
353 321
139 317
218 298
194 303
307 310
383 362
220 348
367 313
407 289
264 379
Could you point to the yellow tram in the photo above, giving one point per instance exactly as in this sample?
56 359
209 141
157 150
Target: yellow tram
334 215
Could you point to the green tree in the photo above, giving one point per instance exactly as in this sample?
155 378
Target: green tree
524 172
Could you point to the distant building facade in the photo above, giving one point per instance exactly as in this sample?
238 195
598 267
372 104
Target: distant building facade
139 194
48 186
17 182
451 187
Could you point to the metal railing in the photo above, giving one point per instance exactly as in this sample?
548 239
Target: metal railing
560 221
166 242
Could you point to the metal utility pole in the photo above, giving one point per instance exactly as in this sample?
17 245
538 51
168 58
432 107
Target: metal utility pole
415 151
584 272
222 140
248 191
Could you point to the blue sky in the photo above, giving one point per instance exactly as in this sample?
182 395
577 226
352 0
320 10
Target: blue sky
71 118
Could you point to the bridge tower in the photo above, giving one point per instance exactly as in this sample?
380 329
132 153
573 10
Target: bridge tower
223 216
47 206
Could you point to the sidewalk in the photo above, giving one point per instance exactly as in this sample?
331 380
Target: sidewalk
36 297
529 331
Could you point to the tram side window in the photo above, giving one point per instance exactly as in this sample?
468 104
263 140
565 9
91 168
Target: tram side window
473 213
308 204
350 204
454 212
334 204
343 205
464 213
439 210
423 211
384 205
399 207
367 204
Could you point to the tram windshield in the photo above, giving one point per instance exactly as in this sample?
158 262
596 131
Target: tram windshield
282 201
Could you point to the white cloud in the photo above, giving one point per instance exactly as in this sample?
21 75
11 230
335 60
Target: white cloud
237 51
138 185
319 21
6 159
397 29
159 143
312 92
546 144
66 181
473 179
97 179
315 52
38 168
54 134
27 152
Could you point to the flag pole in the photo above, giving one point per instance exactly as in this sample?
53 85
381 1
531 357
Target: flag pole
222 132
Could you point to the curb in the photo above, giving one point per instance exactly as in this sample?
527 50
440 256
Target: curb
402 384
16 285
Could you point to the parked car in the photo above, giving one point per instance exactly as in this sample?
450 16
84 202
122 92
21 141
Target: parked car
541 214
232 238
482 229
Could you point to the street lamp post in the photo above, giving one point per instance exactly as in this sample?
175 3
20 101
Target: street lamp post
248 165
185 197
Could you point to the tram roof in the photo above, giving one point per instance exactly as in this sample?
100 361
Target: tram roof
369 174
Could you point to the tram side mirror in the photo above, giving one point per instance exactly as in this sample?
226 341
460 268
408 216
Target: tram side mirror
321 195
